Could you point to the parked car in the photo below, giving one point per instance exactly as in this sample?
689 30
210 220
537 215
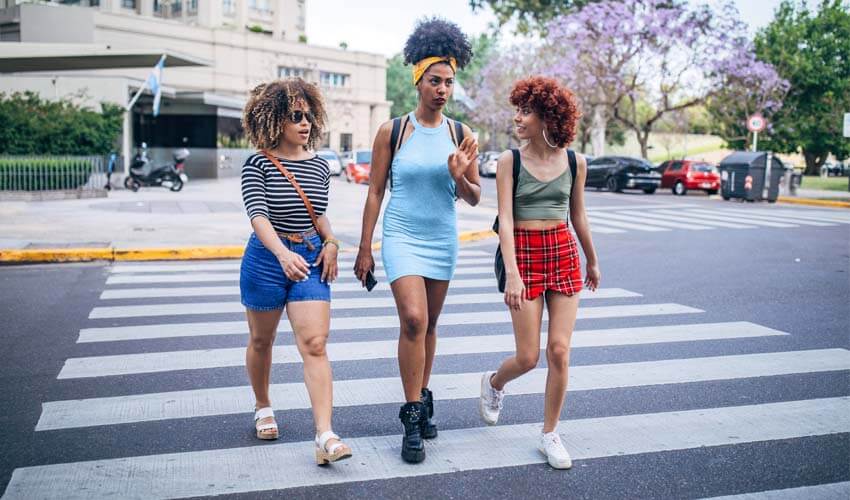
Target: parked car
358 168
683 175
334 162
487 163
617 173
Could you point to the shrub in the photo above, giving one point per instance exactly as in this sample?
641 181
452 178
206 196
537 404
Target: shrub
42 174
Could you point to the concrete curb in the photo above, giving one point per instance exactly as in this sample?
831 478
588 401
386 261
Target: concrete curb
813 202
56 255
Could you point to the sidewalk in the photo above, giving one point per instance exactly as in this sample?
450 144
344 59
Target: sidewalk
206 213
818 198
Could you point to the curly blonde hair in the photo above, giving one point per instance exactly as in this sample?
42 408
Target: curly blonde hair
269 106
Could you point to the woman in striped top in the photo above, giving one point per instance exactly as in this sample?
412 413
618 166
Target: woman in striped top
292 257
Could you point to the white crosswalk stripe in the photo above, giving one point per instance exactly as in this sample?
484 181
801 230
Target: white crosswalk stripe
699 214
703 357
772 218
829 491
128 364
638 225
235 470
194 329
344 303
228 400
653 222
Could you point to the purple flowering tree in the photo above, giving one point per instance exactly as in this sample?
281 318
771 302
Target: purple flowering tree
637 60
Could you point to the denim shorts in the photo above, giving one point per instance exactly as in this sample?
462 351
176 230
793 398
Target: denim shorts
263 285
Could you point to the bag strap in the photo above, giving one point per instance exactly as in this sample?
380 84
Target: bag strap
571 155
396 135
456 131
286 173
517 164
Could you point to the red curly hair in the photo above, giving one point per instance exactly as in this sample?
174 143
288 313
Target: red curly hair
555 105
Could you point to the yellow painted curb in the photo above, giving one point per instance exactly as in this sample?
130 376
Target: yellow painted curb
188 253
55 255
814 203
476 235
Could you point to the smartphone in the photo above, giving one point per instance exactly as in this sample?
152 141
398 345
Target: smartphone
370 281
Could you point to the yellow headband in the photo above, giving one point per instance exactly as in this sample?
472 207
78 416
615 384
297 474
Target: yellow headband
423 65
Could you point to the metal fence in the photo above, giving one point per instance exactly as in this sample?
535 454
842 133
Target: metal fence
58 173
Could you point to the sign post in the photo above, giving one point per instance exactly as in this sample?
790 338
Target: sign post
755 124
846 124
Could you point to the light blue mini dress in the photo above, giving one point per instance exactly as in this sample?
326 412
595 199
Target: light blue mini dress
420 222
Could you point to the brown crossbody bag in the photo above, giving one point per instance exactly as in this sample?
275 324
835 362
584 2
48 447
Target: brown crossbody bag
296 238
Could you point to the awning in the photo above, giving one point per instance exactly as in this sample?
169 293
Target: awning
18 57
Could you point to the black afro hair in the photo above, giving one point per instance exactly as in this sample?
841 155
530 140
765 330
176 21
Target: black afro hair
437 37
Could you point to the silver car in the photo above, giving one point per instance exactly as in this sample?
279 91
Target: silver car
487 163
334 162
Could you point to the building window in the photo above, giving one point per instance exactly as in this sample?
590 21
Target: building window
261 6
228 7
328 79
345 141
285 72
128 4
326 139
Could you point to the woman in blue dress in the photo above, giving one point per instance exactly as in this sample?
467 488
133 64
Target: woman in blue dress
431 164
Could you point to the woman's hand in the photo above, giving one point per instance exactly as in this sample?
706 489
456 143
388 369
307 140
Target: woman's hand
327 259
294 266
594 275
462 158
363 265
514 292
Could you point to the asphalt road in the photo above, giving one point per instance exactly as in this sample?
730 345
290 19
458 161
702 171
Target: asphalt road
714 362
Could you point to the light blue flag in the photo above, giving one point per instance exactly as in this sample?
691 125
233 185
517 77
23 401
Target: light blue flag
155 84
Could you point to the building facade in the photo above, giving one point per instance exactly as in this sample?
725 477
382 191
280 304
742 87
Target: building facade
246 42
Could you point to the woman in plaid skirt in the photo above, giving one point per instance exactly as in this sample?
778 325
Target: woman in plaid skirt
540 253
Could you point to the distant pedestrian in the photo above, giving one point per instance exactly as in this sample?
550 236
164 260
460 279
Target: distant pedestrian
538 192
429 162
291 257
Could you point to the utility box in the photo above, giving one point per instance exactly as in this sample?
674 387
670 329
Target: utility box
751 176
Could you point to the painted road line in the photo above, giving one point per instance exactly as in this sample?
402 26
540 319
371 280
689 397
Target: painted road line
387 390
143 279
173 330
356 303
234 266
240 470
708 215
742 217
131 364
829 491
639 219
775 218
704 222
155 292
595 220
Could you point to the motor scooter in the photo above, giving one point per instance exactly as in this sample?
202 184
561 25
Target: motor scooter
170 176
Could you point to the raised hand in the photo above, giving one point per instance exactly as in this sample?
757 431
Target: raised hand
463 158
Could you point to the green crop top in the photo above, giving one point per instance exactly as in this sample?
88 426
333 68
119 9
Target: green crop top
536 200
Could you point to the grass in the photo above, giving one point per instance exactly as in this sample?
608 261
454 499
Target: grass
825 183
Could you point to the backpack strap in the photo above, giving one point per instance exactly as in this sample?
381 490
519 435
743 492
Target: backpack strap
396 135
517 164
571 155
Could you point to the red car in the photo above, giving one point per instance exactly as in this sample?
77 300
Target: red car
682 175
358 167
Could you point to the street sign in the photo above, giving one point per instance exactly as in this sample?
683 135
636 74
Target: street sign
846 124
756 123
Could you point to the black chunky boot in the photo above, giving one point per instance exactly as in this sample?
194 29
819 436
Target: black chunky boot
429 428
412 446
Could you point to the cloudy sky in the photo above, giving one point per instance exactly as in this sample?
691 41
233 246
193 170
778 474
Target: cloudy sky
382 26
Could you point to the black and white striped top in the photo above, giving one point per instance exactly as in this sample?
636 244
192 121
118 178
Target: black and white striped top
266 192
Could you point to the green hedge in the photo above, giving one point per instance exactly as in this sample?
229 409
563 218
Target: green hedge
43 174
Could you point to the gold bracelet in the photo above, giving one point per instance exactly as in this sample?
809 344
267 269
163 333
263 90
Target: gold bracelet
331 241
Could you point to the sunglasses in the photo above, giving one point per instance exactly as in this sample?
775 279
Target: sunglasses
297 116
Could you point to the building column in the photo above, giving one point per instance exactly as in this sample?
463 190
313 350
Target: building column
111 6
279 15
241 14
146 8
209 14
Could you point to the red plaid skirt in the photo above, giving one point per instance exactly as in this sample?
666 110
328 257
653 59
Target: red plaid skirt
548 260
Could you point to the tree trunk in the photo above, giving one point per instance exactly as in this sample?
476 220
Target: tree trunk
597 130
643 140
814 161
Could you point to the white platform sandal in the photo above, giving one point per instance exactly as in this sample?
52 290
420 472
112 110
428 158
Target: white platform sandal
266 431
337 451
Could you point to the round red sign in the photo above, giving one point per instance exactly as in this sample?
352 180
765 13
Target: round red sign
756 123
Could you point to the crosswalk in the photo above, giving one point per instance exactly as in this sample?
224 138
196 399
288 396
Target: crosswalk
136 332
662 218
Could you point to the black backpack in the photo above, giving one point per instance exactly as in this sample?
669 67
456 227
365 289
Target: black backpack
397 133
499 262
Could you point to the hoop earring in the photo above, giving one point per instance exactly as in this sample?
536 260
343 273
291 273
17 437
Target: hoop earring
553 146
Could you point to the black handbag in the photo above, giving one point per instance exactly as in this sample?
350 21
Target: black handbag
499 262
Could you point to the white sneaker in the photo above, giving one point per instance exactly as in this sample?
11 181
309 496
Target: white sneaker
556 454
490 402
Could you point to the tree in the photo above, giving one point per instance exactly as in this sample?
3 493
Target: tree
400 90
30 125
531 15
639 60
811 51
